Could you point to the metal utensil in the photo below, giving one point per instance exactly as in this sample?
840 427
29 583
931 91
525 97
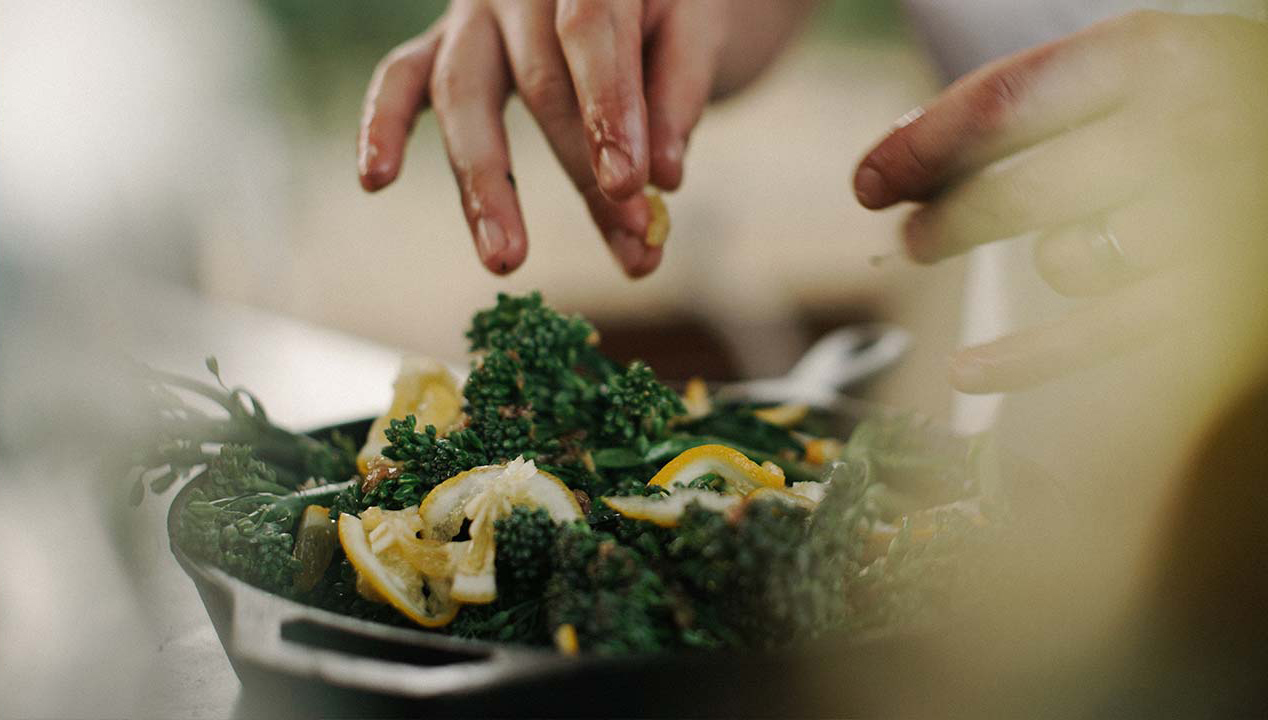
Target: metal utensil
839 359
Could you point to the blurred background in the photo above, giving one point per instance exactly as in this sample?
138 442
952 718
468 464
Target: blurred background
210 145
178 180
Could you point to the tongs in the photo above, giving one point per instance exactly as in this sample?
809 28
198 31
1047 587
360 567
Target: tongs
839 359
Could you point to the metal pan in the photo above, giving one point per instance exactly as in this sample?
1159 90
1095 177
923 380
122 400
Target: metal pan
298 660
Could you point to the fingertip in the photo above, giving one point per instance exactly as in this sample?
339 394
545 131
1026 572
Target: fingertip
500 250
630 252
667 165
513 257
918 241
377 179
506 262
870 187
651 260
374 168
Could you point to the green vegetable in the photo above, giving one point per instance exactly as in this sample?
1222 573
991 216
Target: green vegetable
186 431
427 459
538 389
241 520
768 573
609 593
524 564
638 408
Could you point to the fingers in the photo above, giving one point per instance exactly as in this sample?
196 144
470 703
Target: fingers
601 42
1082 260
1005 106
627 222
542 78
468 88
397 93
1062 180
680 69
1105 252
1119 323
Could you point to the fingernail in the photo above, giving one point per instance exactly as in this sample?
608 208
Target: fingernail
374 169
628 249
869 187
614 168
674 151
490 240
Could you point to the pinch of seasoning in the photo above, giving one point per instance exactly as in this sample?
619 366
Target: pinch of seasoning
658 224
566 639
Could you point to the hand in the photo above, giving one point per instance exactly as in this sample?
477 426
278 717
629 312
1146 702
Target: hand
617 88
1136 148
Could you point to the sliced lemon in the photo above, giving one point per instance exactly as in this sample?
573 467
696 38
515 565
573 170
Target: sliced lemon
775 471
667 510
821 451
483 495
786 415
695 397
393 573
424 388
742 475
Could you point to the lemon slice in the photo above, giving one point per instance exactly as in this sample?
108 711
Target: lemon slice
424 388
667 510
410 574
786 415
483 495
695 397
741 474
821 451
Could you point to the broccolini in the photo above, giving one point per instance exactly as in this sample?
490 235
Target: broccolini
770 571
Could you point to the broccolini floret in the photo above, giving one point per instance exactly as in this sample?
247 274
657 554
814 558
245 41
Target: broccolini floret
524 541
608 592
426 460
637 408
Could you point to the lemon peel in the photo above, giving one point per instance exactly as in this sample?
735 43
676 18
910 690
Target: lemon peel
424 388
393 574
667 510
483 495
741 474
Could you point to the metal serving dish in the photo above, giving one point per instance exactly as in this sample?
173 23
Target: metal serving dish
294 659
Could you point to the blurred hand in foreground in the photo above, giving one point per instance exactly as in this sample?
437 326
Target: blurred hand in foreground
616 86
1138 149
